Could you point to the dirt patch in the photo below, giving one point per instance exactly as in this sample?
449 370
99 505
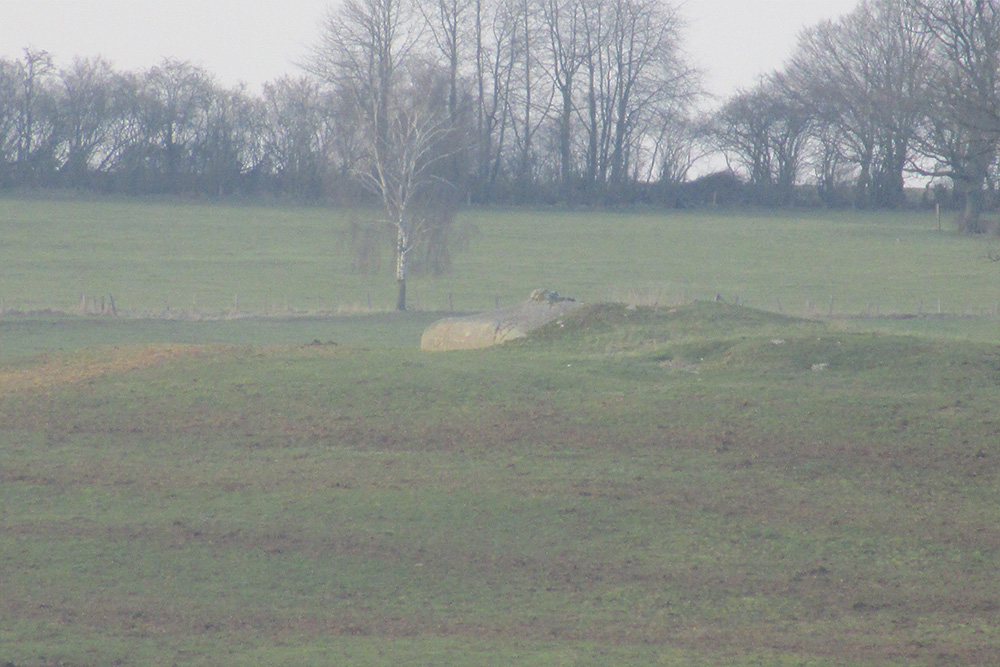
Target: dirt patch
50 371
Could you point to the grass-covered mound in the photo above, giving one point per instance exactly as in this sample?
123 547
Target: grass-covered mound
719 336
707 485
616 329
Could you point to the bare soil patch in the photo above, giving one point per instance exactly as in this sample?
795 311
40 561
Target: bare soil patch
49 370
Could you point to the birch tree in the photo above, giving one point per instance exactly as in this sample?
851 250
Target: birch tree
402 176
362 48
367 55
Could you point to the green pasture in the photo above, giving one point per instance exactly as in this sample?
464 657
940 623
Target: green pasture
710 485
686 483
27 336
161 258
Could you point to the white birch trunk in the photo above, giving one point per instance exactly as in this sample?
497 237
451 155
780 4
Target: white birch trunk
401 249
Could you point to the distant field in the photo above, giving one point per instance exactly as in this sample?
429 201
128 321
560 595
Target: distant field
156 258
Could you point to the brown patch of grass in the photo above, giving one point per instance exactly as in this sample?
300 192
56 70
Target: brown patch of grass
49 371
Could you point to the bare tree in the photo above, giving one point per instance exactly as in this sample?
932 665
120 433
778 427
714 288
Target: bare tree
865 74
529 96
764 131
563 20
35 116
681 143
634 72
176 97
496 61
416 133
962 130
454 38
10 84
296 134
541 98
362 48
367 56
89 98
231 148
445 21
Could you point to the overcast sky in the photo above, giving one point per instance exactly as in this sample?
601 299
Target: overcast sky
733 41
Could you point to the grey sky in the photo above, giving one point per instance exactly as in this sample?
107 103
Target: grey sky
733 41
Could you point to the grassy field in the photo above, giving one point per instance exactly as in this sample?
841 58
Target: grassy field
705 486
699 485
27 336
159 257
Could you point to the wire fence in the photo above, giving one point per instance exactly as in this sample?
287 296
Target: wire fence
107 305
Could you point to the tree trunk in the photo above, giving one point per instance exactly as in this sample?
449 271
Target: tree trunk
401 249
565 140
401 295
970 220
592 136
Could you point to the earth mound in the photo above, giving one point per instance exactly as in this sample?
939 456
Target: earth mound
499 326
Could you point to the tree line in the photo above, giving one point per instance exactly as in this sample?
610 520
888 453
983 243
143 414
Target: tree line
895 88
534 101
